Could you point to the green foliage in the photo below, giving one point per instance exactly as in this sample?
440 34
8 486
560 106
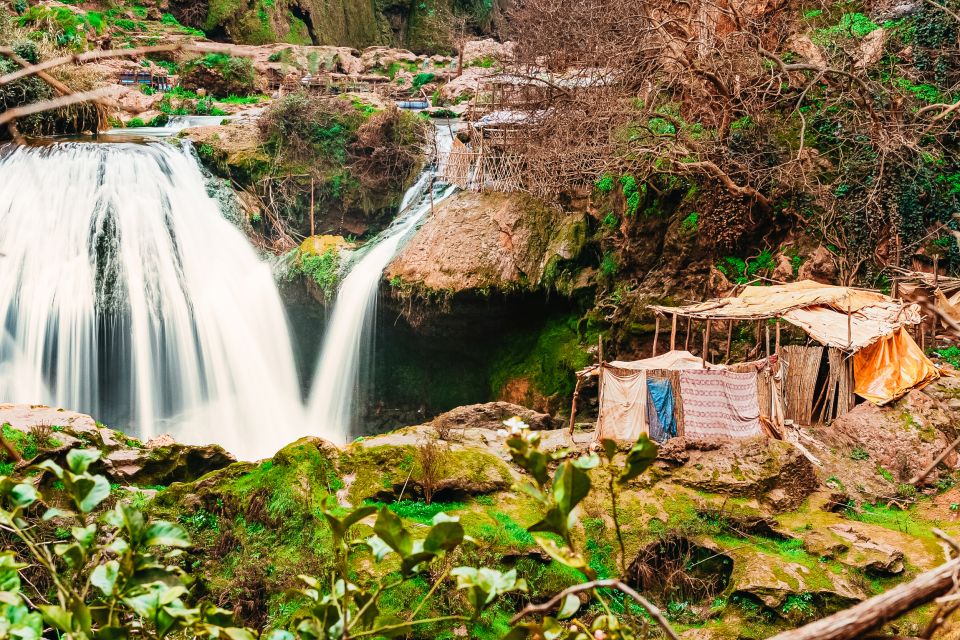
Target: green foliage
545 358
604 184
609 265
323 269
237 73
107 577
689 225
418 511
741 271
851 25
422 79
951 354
70 28
883 473
632 193
233 99
859 453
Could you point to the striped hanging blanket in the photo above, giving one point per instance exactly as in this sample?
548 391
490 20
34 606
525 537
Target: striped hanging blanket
719 404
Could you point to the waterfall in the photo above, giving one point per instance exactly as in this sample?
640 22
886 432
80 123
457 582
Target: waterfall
350 327
124 293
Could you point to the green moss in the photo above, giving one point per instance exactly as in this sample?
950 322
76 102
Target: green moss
547 359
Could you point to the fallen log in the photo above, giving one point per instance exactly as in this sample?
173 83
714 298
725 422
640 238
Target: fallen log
870 614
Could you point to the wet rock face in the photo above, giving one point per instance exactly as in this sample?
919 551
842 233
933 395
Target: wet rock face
476 241
772 470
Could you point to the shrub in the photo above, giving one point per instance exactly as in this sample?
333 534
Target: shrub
423 78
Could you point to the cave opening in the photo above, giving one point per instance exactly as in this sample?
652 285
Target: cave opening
303 15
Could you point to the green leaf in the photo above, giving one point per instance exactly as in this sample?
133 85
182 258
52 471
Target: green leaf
72 553
444 536
587 462
389 527
563 555
89 491
10 572
609 448
167 534
79 460
278 634
57 617
113 633
412 562
84 535
641 456
236 633
52 467
379 548
571 604
104 577
570 486
23 495
53 512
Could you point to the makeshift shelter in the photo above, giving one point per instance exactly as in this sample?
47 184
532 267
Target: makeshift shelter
675 394
857 343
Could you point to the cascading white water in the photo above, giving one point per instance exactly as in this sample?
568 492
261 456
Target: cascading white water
124 293
350 326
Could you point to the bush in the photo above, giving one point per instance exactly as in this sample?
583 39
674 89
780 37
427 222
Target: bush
220 74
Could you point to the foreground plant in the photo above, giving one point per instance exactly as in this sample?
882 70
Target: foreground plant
559 496
116 575
111 578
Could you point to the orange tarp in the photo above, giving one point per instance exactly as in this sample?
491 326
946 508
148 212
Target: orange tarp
890 367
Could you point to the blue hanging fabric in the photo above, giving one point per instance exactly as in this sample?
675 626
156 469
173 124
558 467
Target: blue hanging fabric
660 398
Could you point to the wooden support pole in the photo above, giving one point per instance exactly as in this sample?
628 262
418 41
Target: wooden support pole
600 382
766 328
871 614
776 349
726 355
706 344
686 342
312 230
573 405
673 334
656 333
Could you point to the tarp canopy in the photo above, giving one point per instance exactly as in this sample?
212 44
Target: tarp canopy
820 310
669 361
890 367
758 302
864 327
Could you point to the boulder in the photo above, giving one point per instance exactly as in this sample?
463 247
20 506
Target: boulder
772 581
482 241
133 101
772 470
804 47
165 464
25 416
871 49
491 415
821 267
488 48
866 553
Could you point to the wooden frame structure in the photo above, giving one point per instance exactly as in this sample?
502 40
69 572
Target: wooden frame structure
818 376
